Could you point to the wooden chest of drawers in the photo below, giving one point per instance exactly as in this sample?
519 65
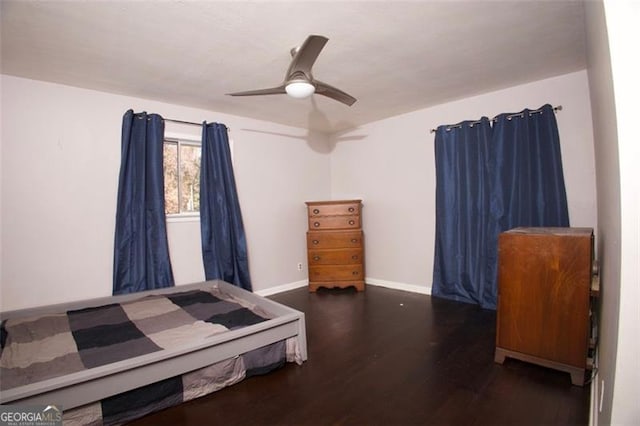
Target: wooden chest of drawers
335 250
544 298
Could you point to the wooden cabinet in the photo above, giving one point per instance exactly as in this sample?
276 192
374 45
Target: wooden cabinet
544 297
335 250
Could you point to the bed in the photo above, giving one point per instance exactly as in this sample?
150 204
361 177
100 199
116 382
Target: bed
138 353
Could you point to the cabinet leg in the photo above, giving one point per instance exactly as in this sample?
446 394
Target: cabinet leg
499 356
577 377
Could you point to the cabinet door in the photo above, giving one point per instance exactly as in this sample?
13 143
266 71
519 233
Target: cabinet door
543 296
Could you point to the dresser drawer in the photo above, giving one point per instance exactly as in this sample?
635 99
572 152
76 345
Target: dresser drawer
334 208
334 239
335 257
334 222
336 273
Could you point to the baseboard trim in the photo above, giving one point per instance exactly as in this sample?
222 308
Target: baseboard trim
594 401
282 288
369 281
398 286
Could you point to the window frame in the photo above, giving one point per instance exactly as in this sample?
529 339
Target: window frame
192 140
181 140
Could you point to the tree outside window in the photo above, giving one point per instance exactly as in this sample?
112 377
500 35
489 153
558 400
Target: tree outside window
182 177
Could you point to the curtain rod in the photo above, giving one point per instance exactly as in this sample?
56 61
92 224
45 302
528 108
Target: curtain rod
191 123
534 111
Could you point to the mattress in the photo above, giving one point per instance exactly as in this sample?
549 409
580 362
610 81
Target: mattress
166 346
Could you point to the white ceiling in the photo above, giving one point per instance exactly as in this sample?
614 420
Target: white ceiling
393 56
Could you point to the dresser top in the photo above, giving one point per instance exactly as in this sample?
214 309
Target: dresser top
324 203
550 231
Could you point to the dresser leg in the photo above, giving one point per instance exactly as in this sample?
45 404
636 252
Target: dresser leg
577 376
359 286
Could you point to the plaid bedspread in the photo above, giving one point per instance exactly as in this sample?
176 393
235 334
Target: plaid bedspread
40 348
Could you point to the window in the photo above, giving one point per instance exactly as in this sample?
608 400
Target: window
182 176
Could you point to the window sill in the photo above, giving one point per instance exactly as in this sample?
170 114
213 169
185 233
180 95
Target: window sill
183 218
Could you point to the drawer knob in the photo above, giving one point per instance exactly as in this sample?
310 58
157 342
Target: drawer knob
353 240
354 273
315 241
316 224
351 209
354 257
352 222
316 258
316 211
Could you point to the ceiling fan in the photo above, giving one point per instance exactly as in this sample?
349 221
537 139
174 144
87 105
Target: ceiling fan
298 81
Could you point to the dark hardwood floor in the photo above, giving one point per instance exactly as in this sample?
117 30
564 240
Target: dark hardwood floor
388 357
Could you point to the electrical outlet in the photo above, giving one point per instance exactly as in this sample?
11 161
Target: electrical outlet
299 266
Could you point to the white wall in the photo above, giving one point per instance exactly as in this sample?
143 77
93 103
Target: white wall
60 160
392 168
624 33
612 34
609 224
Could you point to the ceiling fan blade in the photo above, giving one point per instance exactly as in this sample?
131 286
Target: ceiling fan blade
306 56
271 91
333 93
299 72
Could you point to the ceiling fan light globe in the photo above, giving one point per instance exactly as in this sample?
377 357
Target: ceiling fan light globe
300 89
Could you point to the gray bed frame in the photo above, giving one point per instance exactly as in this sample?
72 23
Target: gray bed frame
95 384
